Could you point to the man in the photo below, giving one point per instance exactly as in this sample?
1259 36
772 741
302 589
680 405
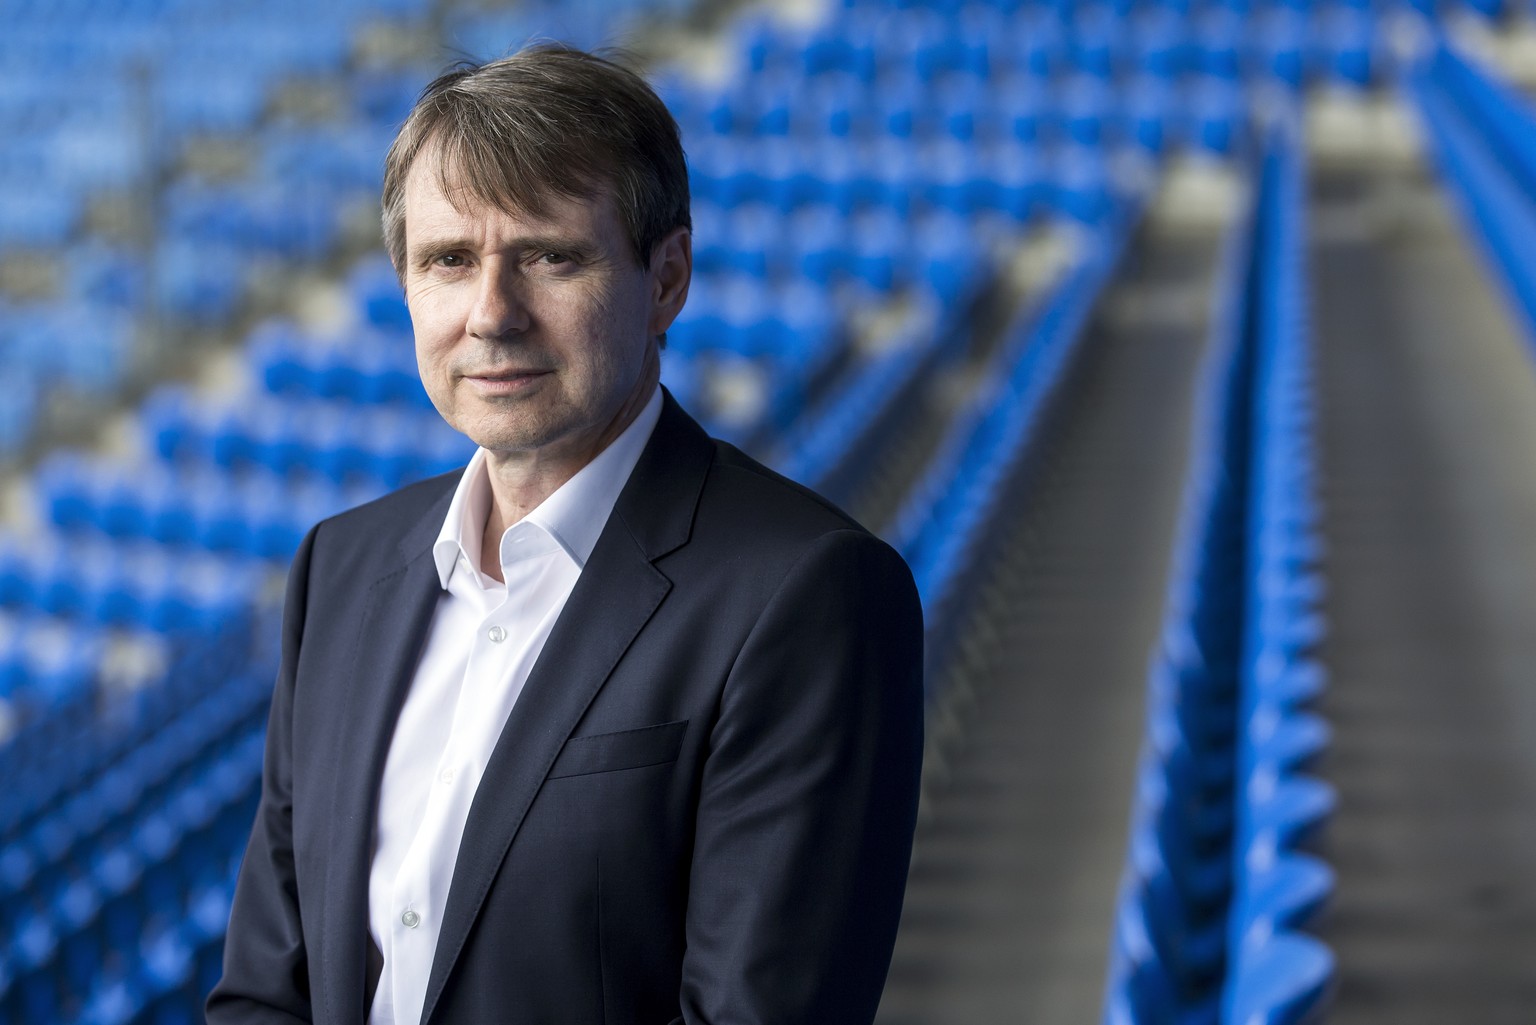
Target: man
616 726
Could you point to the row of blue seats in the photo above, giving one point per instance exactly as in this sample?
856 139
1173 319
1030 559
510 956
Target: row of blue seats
345 156
199 280
146 586
1482 130
76 343
75 154
829 445
65 813
142 877
125 101
786 322
1275 969
946 514
102 15
817 247
219 82
61 749
290 205
1499 111
1168 948
368 366
41 863
1073 179
297 435
1215 883
44 660
1066 9
253 513
1160 43
43 218
81 330
30 102
179 963
962 9
292 218
839 113
71 32
872 43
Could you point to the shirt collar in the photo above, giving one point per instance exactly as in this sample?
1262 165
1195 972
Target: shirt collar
573 516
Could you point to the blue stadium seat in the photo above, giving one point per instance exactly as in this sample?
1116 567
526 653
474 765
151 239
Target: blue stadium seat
1282 982
35 218
380 297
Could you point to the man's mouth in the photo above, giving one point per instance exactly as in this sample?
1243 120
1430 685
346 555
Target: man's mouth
505 381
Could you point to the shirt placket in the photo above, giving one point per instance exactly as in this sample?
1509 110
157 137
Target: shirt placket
422 884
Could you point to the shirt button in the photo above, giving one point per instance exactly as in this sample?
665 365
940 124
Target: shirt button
446 775
496 634
410 919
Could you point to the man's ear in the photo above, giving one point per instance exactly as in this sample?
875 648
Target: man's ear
671 271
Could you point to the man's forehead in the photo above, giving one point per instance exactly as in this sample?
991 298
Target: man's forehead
449 179
433 185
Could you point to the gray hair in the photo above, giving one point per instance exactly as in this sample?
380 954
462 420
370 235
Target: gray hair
547 120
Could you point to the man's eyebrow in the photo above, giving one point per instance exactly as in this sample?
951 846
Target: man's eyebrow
426 249
573 246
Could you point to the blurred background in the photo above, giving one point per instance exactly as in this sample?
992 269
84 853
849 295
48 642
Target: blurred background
1182 347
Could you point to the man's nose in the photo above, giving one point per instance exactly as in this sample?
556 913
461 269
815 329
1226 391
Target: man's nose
499 308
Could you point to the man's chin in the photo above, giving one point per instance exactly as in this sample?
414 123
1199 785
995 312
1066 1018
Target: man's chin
546 443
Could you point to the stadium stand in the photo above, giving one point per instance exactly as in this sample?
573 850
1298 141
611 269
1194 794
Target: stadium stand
871 183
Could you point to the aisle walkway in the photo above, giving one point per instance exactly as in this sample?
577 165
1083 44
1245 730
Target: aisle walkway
1429 441
1012 890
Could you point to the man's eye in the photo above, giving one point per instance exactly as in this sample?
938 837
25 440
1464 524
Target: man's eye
449 260
554 258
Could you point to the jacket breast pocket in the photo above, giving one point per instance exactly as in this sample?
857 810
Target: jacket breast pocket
627 749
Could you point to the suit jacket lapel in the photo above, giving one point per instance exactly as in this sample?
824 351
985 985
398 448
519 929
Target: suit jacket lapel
616 595
398 615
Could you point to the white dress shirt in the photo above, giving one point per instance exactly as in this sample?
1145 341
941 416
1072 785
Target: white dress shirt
484 639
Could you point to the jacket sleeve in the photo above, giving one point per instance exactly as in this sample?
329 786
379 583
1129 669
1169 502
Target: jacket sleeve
266 976
808 798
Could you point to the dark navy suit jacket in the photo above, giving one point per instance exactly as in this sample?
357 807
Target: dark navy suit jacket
700 810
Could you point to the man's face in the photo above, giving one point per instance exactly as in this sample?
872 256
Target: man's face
535 336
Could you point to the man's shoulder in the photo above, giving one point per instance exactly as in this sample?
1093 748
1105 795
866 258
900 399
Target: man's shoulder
764 516
741 485
706 496
758 537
